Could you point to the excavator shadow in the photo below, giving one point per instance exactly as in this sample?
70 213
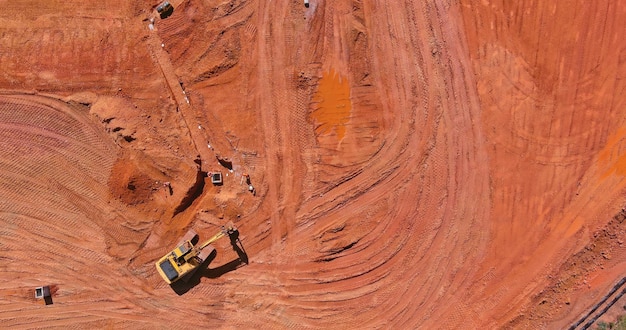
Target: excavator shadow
181 287
235 242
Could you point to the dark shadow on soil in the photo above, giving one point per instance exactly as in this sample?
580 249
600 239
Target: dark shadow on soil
183 285
225 161
193 193
235 242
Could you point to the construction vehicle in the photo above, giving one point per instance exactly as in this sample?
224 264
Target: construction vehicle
185 259
165 9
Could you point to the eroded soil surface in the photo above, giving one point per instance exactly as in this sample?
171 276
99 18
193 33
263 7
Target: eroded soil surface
412 164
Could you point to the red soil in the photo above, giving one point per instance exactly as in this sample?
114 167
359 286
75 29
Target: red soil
415 164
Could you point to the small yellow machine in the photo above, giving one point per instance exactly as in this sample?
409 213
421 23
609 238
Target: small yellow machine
184 260
165 9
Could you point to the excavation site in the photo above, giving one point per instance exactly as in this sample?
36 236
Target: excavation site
312 164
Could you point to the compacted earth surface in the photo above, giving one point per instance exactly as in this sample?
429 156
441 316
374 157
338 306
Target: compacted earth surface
388 164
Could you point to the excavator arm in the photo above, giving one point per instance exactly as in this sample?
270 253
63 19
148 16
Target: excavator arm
226 230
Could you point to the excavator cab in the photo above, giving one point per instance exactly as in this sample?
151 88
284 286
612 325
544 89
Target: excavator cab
167 270
180 253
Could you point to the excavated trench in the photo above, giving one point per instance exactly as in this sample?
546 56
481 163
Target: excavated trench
194 192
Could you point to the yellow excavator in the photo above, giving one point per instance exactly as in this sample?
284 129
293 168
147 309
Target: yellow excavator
184 260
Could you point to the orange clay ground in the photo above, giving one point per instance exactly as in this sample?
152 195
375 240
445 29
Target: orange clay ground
416 164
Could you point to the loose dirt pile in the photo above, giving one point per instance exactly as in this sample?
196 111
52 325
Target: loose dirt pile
412 163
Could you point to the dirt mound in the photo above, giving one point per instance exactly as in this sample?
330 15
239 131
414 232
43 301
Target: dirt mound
132 186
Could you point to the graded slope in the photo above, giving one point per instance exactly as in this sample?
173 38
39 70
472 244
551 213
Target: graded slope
56 219
548 79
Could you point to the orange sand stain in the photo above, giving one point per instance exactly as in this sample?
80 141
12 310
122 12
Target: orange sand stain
612 151
333 105
620 165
